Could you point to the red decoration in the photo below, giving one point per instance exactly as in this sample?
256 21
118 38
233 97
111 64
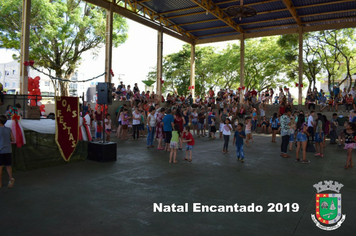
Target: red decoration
112 73
26 63
239 88
301 85
31 63
296 85
193 87
189 88
243 87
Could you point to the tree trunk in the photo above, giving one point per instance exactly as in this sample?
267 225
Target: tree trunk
64 88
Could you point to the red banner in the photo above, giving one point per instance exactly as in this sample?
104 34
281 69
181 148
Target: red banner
67 125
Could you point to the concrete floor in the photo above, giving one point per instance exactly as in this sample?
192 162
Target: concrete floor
116 198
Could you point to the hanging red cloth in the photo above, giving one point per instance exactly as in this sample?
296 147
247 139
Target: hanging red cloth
17 131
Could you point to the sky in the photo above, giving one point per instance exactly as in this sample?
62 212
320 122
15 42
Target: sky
131 61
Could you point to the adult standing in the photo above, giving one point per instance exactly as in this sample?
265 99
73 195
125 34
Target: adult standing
159 128
151 126
168 125
285 132
311 125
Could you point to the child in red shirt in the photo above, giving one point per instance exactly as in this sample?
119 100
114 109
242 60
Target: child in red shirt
188 138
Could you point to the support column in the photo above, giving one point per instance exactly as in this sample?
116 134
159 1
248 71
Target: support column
108 43
300 94
192 69
242 67
25 43
159 64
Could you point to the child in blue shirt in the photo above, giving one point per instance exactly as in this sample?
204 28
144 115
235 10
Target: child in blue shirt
239 138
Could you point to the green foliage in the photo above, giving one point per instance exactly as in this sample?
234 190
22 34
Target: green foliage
268 62
326 54
61 30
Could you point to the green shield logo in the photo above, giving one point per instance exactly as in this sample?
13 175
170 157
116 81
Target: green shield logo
328 208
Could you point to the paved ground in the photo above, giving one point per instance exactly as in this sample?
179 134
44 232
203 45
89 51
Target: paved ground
116 198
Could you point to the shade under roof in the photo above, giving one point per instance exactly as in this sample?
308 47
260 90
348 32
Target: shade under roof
203 21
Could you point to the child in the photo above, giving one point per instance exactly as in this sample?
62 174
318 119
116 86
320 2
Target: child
239 137
263 125
188 138
254 120
331 103
261 108
99 129
174 144
319 135
125 121
292 129
107 127
226 131
349 135
212 128
274 124
6 138
142 126
302 138
248 130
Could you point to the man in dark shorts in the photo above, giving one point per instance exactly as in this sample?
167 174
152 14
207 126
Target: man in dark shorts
6 138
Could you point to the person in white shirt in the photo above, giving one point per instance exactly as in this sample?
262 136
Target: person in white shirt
136 121
311 125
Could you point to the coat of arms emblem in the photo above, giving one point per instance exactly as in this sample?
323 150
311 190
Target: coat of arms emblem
328 205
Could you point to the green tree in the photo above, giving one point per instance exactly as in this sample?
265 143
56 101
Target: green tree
342 41
61 31
264 64
176 70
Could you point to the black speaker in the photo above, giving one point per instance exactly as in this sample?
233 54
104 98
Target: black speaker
104 93
102 152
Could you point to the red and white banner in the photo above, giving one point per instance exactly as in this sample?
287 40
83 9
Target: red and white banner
67 125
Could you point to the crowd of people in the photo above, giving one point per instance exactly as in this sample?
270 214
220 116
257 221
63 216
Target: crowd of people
175 120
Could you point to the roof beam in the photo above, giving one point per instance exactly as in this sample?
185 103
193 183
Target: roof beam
188 14
323 4
328 13
264 21
130 12
198 22
213 9
292 11
178 10
332 26
248 5
204 12
211 28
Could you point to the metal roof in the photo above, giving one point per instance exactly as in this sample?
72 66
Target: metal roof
203 21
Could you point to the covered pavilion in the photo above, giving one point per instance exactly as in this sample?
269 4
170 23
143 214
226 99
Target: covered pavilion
207 21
